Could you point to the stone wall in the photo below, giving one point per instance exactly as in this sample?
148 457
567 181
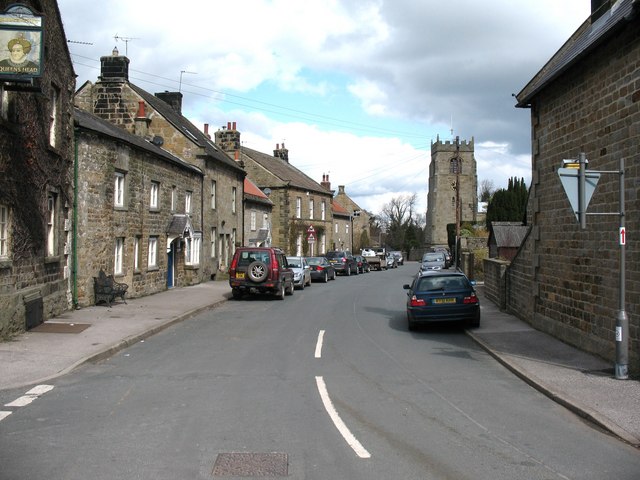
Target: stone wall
566 280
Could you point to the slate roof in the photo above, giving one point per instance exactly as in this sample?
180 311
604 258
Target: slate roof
508 234
91 122
586 38
283 171
179 224
186 127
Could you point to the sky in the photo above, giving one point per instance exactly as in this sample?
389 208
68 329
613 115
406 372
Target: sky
355 89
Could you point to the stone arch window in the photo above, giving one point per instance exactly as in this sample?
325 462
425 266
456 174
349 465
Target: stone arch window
455 165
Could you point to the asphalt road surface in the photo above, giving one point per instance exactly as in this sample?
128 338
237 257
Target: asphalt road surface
327 384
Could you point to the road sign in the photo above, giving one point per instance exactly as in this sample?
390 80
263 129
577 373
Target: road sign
311 238
311 230
569 179
623 236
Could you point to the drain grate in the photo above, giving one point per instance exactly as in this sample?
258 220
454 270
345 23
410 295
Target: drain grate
251 465
59 327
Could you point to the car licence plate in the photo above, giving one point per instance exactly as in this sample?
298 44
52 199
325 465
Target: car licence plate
239 274
441 301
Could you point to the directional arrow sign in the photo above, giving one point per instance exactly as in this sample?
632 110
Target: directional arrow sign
569 179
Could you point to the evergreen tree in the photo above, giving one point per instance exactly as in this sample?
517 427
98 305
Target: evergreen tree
508 205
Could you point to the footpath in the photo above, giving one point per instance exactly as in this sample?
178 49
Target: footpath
581 382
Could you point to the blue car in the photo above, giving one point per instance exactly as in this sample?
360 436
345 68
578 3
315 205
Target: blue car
438 296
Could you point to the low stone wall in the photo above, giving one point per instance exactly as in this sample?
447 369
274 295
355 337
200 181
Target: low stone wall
495 281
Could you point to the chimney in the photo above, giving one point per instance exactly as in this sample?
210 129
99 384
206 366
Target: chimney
141 121
206 131
341 190
173 99
282 153
325 182
114 68
228 139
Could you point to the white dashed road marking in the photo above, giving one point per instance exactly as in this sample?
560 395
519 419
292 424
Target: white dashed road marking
319 344
26 399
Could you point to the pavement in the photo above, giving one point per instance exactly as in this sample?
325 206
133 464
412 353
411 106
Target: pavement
581 382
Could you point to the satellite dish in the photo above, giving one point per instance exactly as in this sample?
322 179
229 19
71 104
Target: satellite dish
267 191
158 141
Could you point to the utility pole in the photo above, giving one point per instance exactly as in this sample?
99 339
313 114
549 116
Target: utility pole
458 167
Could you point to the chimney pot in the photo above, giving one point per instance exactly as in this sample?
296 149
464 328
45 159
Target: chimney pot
141 113
228 125
234 125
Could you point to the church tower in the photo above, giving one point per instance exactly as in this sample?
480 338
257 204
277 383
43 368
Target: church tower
453 180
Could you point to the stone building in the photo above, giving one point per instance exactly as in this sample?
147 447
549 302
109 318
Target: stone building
132 214
257 216
453 165
120 102
36 170
342 227
586 99
360 218
298 201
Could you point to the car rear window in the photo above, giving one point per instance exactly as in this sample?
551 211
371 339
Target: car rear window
441 283
249 256
335 254
433 257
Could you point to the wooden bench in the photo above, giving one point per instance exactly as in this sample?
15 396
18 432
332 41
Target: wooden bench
107 289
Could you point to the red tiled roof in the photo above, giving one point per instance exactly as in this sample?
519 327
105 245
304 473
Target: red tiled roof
251 189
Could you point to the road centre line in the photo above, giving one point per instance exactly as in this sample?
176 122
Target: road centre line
337 421
319 344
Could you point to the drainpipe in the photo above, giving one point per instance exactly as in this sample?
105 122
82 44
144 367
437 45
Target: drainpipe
74 267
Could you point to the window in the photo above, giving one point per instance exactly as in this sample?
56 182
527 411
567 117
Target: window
311 209
455 165
192 249
187 201
323 210
118 190
265 220
336 228
174 198
53 115
298 207
51 224
213 194
214 235
119 253
136 253
4 231
153 252
299 244
346 229
253 220
234 192
155 188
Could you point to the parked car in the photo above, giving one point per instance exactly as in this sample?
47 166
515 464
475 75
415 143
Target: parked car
260 270
342 261
391 261
321 269
399 257
442 296
362 264
433 261
301 272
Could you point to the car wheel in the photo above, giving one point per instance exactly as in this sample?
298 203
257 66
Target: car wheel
280 293
302 285
309 282
348 274
325 279
289 291
257 272
333 277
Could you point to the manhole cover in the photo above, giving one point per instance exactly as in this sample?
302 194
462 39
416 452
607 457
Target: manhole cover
251 465
59 327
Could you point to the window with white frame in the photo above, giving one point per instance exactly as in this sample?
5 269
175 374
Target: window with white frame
336 228
118 256
311 209
233 240
136 253
265 220
323 243
298 207
253 220
52 200
299 244
174 198
153 252
234 194
346 229
54 113
323 210
213 194
153 201
187 201
118 190
192 249
4 231
214 236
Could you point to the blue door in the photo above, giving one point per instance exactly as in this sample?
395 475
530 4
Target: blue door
170 257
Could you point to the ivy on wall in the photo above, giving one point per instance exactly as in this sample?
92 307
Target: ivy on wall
299 227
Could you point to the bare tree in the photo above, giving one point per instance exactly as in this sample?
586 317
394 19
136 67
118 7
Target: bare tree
397 216
486 190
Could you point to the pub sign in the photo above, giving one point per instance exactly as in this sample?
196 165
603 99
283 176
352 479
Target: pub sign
21 43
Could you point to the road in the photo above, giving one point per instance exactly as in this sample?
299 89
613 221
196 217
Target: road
327 384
